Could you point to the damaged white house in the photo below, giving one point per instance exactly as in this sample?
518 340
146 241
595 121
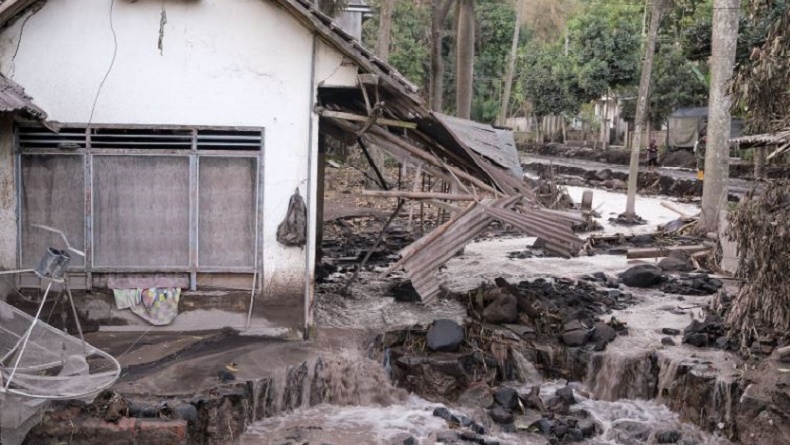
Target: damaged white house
184 128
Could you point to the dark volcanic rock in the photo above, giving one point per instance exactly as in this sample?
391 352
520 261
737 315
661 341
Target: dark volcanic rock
504 309
692 284
476 396
697 339
604 174
445 335
642 275
187 411
667 341
603 333
575 435
670 331
575 334
477 428
444 413
587 427
506 397
566 394
544 426
668 436
501 415
561 429
404 292
704 333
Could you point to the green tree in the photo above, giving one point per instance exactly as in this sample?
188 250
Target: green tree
550 83
409 38
674 84
605 43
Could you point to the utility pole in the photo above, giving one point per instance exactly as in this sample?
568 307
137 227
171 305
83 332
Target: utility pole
641 107
511 67
717 155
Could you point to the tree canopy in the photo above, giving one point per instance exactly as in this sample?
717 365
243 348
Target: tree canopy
570 52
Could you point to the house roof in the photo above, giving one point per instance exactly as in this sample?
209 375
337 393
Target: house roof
690 112
10 9
14 100
310 16
495 144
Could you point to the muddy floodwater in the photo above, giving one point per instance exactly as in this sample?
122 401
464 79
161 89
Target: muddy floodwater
611 394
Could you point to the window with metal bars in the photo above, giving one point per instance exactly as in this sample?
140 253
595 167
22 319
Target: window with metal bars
141 138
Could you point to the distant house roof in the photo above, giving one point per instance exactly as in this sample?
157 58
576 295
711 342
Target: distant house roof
690 112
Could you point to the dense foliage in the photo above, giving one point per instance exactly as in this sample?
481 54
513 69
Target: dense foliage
761 83
570 52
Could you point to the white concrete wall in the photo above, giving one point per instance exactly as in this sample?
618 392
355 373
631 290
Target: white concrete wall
222 62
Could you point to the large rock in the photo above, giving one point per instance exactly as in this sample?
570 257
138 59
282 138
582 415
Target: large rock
697 339
587 427
445 336
677 261
504 309
575 334
501 415
476 396
566 394
668 436
506 397
603 333
642 275
604 174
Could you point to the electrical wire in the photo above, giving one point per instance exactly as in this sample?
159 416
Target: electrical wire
112 63
18 44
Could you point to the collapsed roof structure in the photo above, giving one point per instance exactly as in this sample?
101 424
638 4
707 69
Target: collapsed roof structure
385 110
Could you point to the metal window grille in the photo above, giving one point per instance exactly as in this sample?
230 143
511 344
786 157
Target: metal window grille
145 199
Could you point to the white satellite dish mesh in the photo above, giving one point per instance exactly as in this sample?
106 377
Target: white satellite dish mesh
50 365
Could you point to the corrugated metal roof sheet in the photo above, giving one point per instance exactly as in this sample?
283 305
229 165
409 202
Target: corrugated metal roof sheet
422 259
495 144
14 100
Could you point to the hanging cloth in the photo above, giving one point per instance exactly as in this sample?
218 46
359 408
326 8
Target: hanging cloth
293 230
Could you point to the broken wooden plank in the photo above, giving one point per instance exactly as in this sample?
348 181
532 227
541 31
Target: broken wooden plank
428 157
418 195
668 205
655 252
360 118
